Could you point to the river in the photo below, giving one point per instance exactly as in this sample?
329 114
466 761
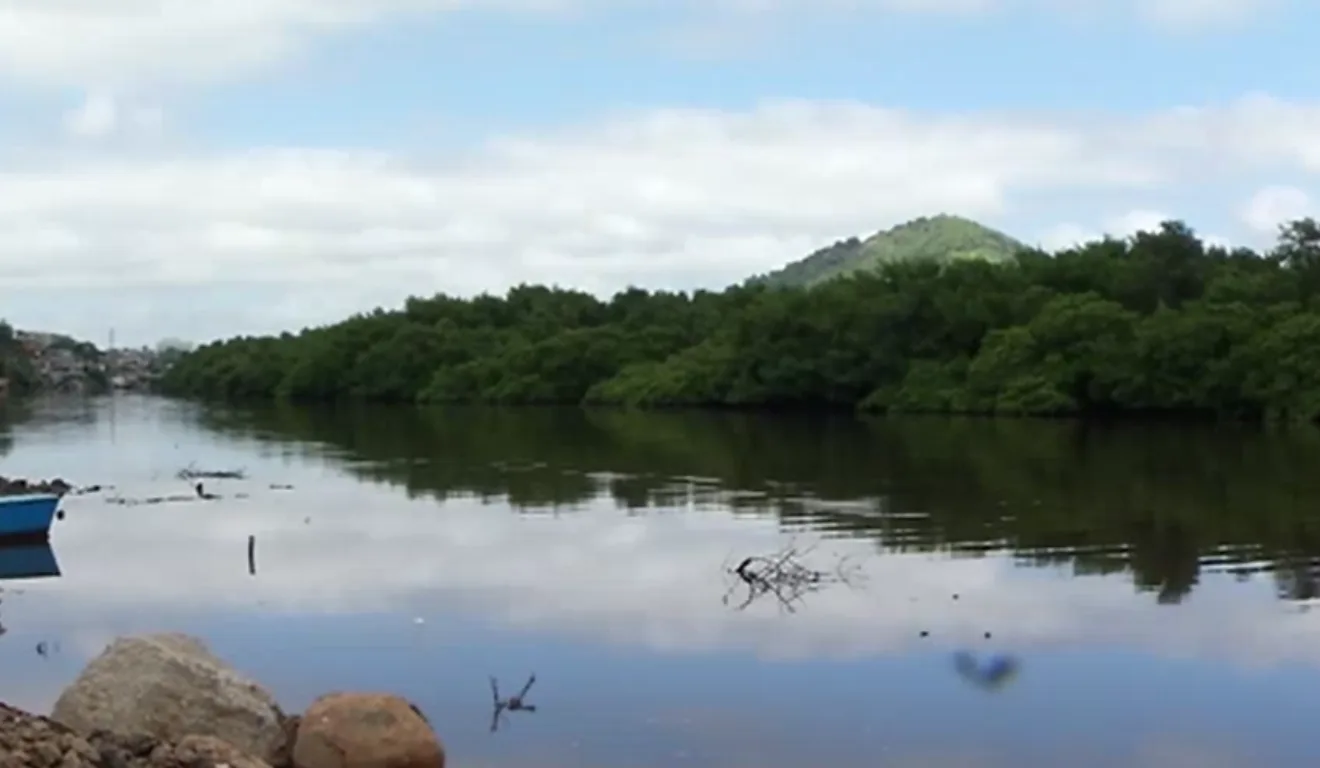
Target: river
990 593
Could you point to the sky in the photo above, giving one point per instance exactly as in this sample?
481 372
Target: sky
207 168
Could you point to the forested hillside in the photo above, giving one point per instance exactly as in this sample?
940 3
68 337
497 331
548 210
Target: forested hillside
936 238
1158 323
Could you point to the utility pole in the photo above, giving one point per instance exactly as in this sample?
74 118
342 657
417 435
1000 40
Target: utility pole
111 362
111 373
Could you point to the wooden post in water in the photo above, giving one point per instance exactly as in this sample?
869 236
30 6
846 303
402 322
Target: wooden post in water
252 555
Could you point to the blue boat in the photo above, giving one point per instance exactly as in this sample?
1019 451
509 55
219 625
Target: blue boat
28 561
27 517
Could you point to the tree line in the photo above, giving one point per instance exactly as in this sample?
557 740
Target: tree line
1159 323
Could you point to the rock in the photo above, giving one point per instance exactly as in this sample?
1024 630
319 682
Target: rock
283 758
29 741
18 486
191 749
365 730
168 687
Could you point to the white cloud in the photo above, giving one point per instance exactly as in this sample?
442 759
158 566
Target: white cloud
1274 205
85 42
1122 226
101 114
1066 235
95 117
667 197
1136 221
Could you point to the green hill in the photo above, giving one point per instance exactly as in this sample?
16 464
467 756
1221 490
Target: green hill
943 238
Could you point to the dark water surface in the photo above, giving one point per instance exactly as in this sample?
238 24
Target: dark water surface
1152 585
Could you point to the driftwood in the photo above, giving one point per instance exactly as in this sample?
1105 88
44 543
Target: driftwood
192 472
199 494
127 502
785 576
516 703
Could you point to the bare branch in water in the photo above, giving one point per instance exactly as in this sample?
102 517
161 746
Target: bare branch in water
516 701
785 576
500 707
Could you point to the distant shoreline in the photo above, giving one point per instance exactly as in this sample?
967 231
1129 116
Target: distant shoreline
1129 418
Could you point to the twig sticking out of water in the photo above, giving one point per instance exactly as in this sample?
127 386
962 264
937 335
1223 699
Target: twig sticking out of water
192 472
512 704
785 576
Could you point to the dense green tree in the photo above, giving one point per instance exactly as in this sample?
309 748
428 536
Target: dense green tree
1160 323
15 363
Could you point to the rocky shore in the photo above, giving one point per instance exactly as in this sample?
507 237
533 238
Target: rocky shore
165 701
31 741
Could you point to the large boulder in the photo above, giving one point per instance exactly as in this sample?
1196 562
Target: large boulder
365 730
170 686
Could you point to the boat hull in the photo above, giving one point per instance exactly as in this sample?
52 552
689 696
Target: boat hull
27 518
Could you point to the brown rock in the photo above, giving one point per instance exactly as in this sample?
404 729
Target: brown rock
29 741
283 757
365 730
168 686
208 749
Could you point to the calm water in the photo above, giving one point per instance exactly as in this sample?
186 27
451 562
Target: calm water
1150 584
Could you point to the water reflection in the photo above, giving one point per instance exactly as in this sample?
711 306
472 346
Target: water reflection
656 579
28 561
12 412
616 567
991 673
1165 504
25 561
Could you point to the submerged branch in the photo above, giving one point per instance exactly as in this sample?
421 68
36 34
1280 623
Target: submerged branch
516 703
785 576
